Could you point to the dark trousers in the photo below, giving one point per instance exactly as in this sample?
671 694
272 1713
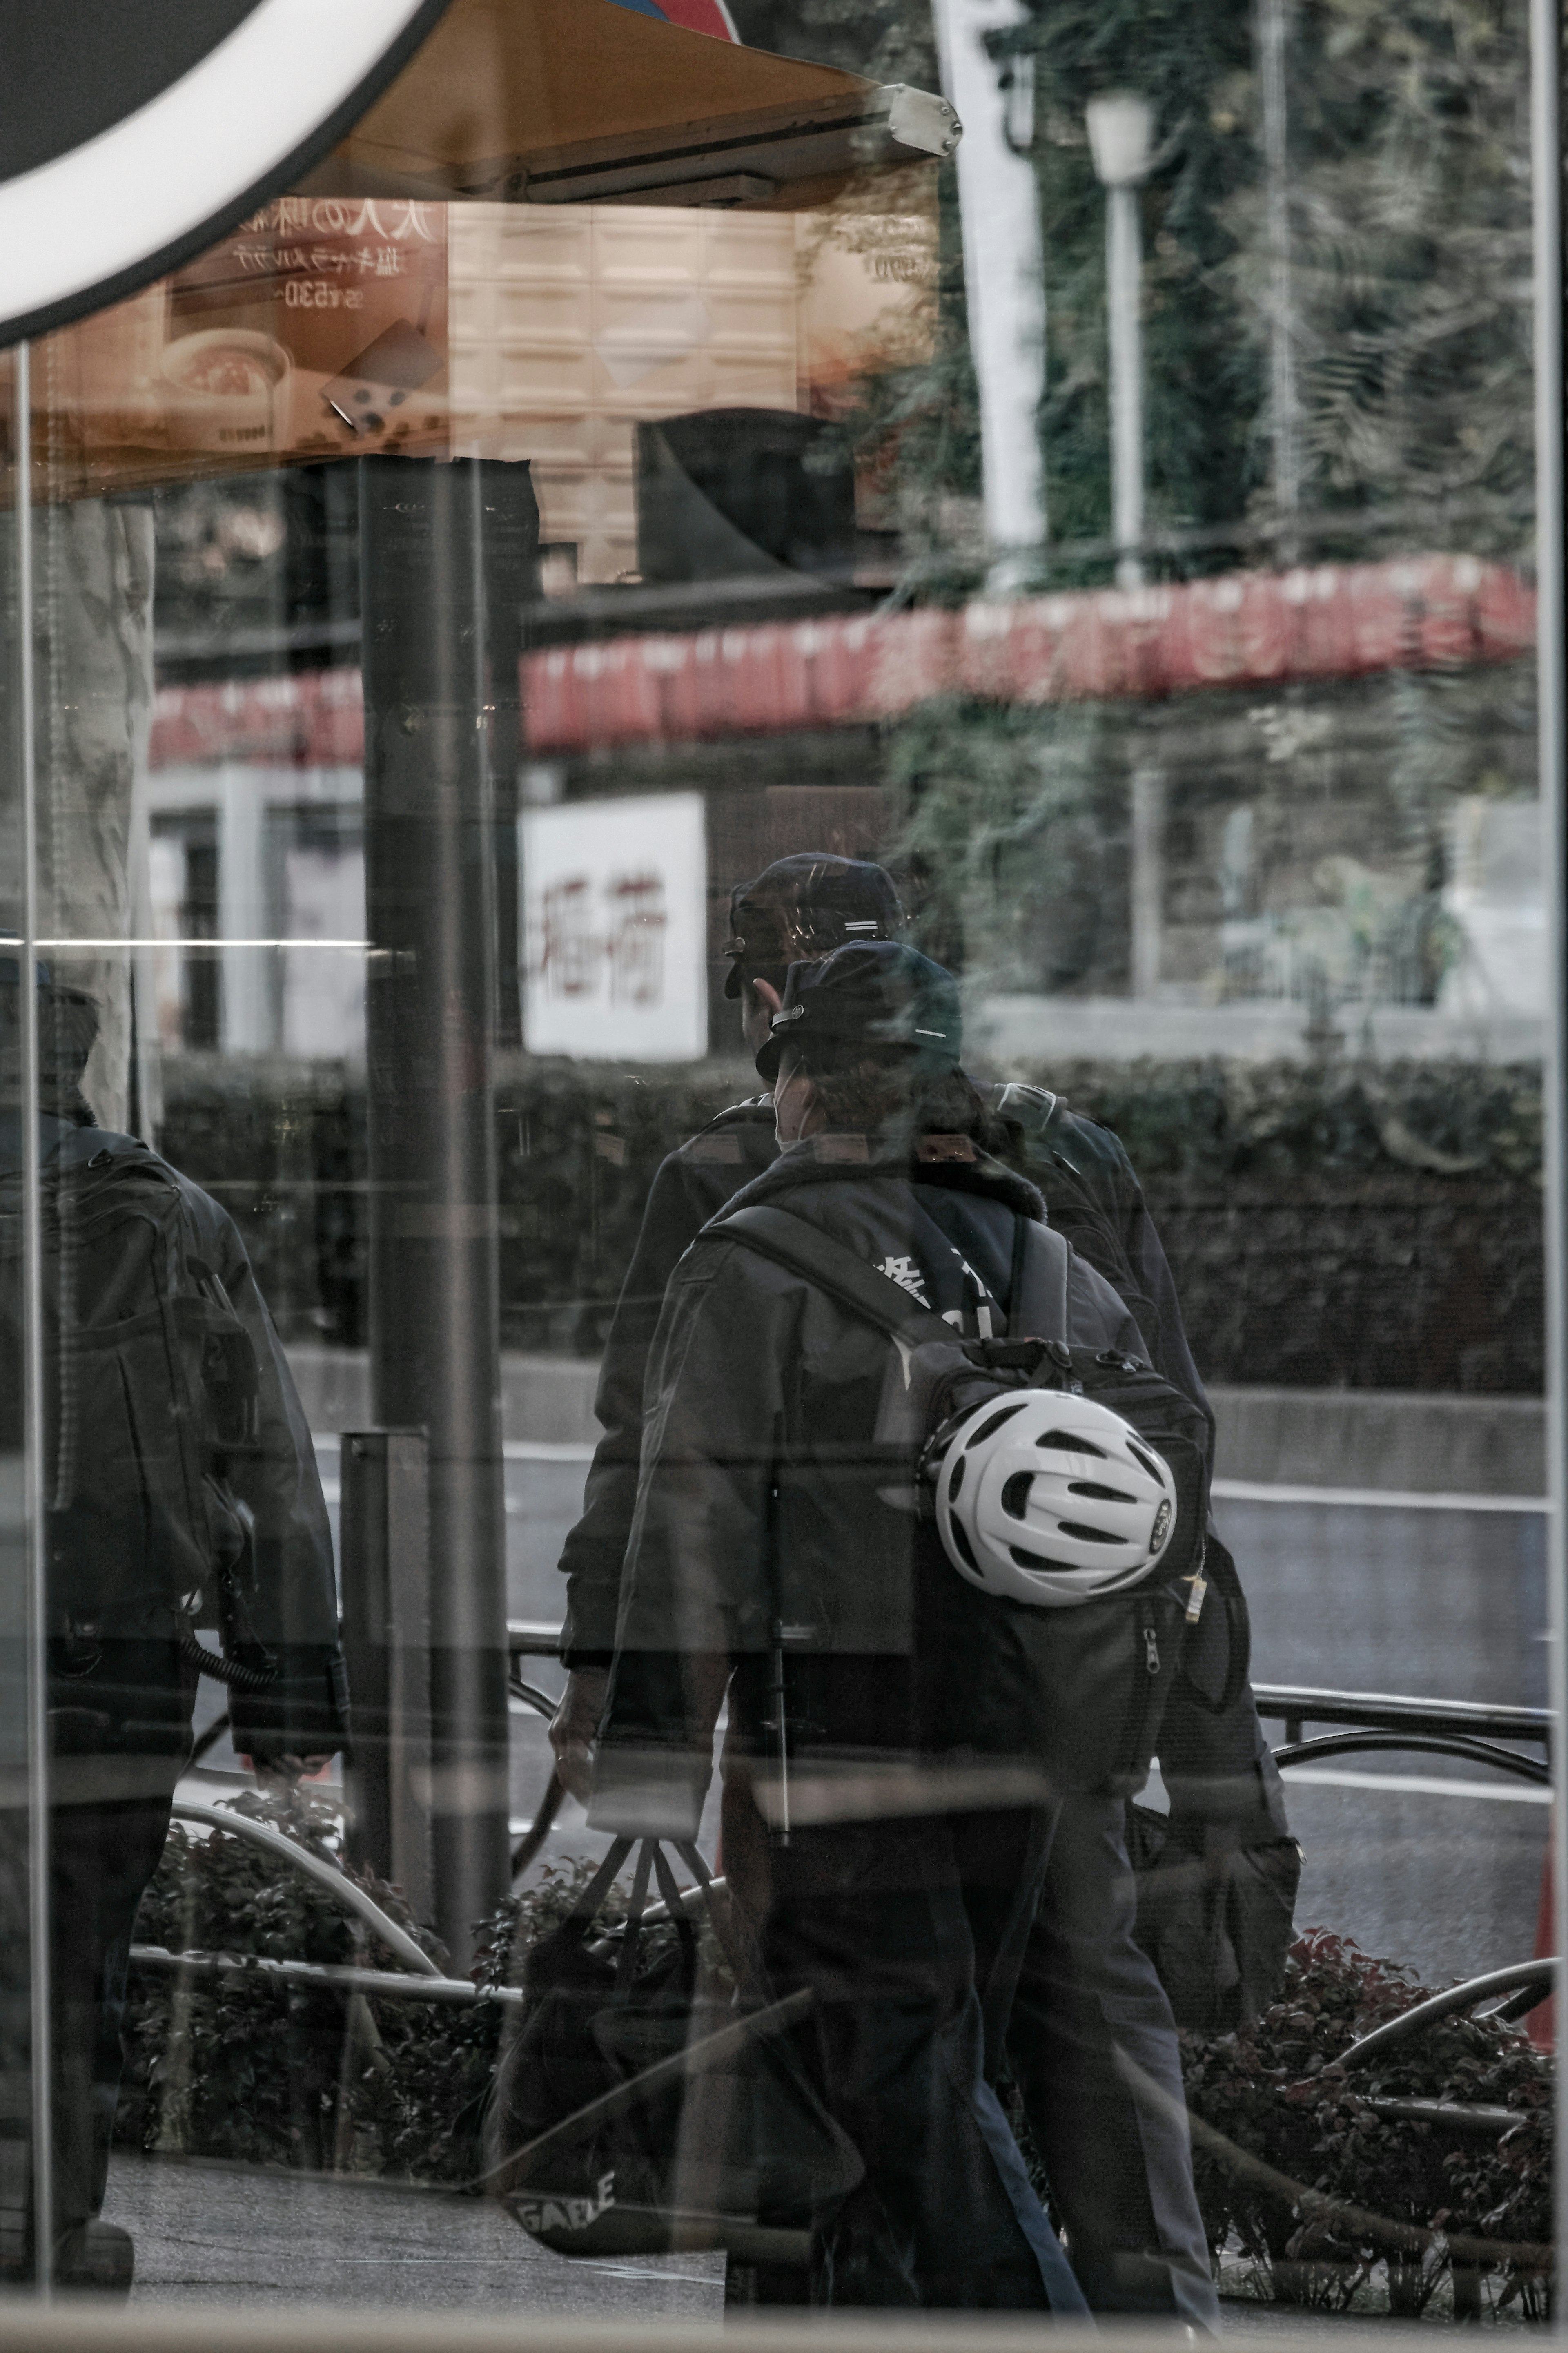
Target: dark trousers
1075 2006
872 1917
120 1726
102 1859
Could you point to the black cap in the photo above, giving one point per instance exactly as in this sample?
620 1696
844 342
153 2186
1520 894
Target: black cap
800 908
878 994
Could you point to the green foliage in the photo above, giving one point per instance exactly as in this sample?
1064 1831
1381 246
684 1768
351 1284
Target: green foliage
1333 1222
1202 370
1014 820
270 2073
1407 160
1212 1123
1411 223
886 40
247 2070
910 425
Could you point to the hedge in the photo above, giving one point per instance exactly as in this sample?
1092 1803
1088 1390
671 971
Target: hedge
1321 2201
1333 1224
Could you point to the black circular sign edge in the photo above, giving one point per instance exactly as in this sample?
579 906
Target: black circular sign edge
277 182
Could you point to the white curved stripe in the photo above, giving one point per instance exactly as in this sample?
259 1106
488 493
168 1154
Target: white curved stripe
345 1891
83 218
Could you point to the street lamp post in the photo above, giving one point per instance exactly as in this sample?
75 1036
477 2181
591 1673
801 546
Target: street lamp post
1121 137
1271 38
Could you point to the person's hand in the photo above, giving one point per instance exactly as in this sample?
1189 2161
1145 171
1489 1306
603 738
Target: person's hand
281 1776
574 1726
760 1000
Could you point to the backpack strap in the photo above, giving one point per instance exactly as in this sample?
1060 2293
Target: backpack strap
1040 1307
807 1250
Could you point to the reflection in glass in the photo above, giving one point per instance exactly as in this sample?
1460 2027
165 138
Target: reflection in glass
507 618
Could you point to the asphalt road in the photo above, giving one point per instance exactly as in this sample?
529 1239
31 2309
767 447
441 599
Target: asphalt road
1427 1861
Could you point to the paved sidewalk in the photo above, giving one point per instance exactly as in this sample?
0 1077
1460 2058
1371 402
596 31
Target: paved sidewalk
214 2234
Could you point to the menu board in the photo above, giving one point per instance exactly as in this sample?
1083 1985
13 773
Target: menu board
317 329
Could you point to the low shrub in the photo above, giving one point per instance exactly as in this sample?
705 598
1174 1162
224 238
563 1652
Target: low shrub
1297 2173
1296 2170
256 2069
1339 1224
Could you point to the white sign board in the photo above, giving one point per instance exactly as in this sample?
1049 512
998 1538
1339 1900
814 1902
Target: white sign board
615 926
132 134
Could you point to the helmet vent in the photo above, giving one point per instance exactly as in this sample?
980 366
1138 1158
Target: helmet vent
1069 1441
1015 1493
1097 1494
1086 1536
988 1428
964 1547
956 1482
1154 1469
1035 1560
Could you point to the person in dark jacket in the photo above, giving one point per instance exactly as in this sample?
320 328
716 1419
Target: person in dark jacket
768 1558
122 1684
1138 2242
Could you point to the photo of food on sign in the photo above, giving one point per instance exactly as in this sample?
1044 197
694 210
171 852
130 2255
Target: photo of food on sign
317 329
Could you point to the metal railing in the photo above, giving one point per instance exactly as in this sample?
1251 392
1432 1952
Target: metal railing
1471 1730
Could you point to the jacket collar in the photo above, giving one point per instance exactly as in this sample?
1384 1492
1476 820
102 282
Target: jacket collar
834 1160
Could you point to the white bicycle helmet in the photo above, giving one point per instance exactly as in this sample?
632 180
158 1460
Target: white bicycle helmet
1052 1500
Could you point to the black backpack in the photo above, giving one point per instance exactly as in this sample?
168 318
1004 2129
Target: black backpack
1083 1689
150 1392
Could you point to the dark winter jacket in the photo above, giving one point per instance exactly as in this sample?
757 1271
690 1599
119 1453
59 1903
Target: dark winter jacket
766 1516
1091 1195
293 1611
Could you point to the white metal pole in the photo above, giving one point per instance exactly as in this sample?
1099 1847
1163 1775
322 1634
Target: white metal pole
1120 126
1004 276
242 913
41 2122
1148 892
1271 30
1124 298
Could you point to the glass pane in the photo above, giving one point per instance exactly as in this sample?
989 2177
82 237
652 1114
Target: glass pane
20 2021
969 714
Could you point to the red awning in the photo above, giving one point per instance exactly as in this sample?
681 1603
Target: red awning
1429 612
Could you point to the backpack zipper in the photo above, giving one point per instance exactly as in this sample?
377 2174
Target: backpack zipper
1143 1696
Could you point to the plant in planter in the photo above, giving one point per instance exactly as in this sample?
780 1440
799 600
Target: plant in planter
305 2076
1327 2200
1320 2191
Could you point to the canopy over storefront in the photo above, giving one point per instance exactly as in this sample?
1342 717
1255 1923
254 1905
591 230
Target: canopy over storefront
331 323
559 101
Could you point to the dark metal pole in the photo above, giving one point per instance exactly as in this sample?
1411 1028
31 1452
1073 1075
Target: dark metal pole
512 581
434 1314
383 1570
